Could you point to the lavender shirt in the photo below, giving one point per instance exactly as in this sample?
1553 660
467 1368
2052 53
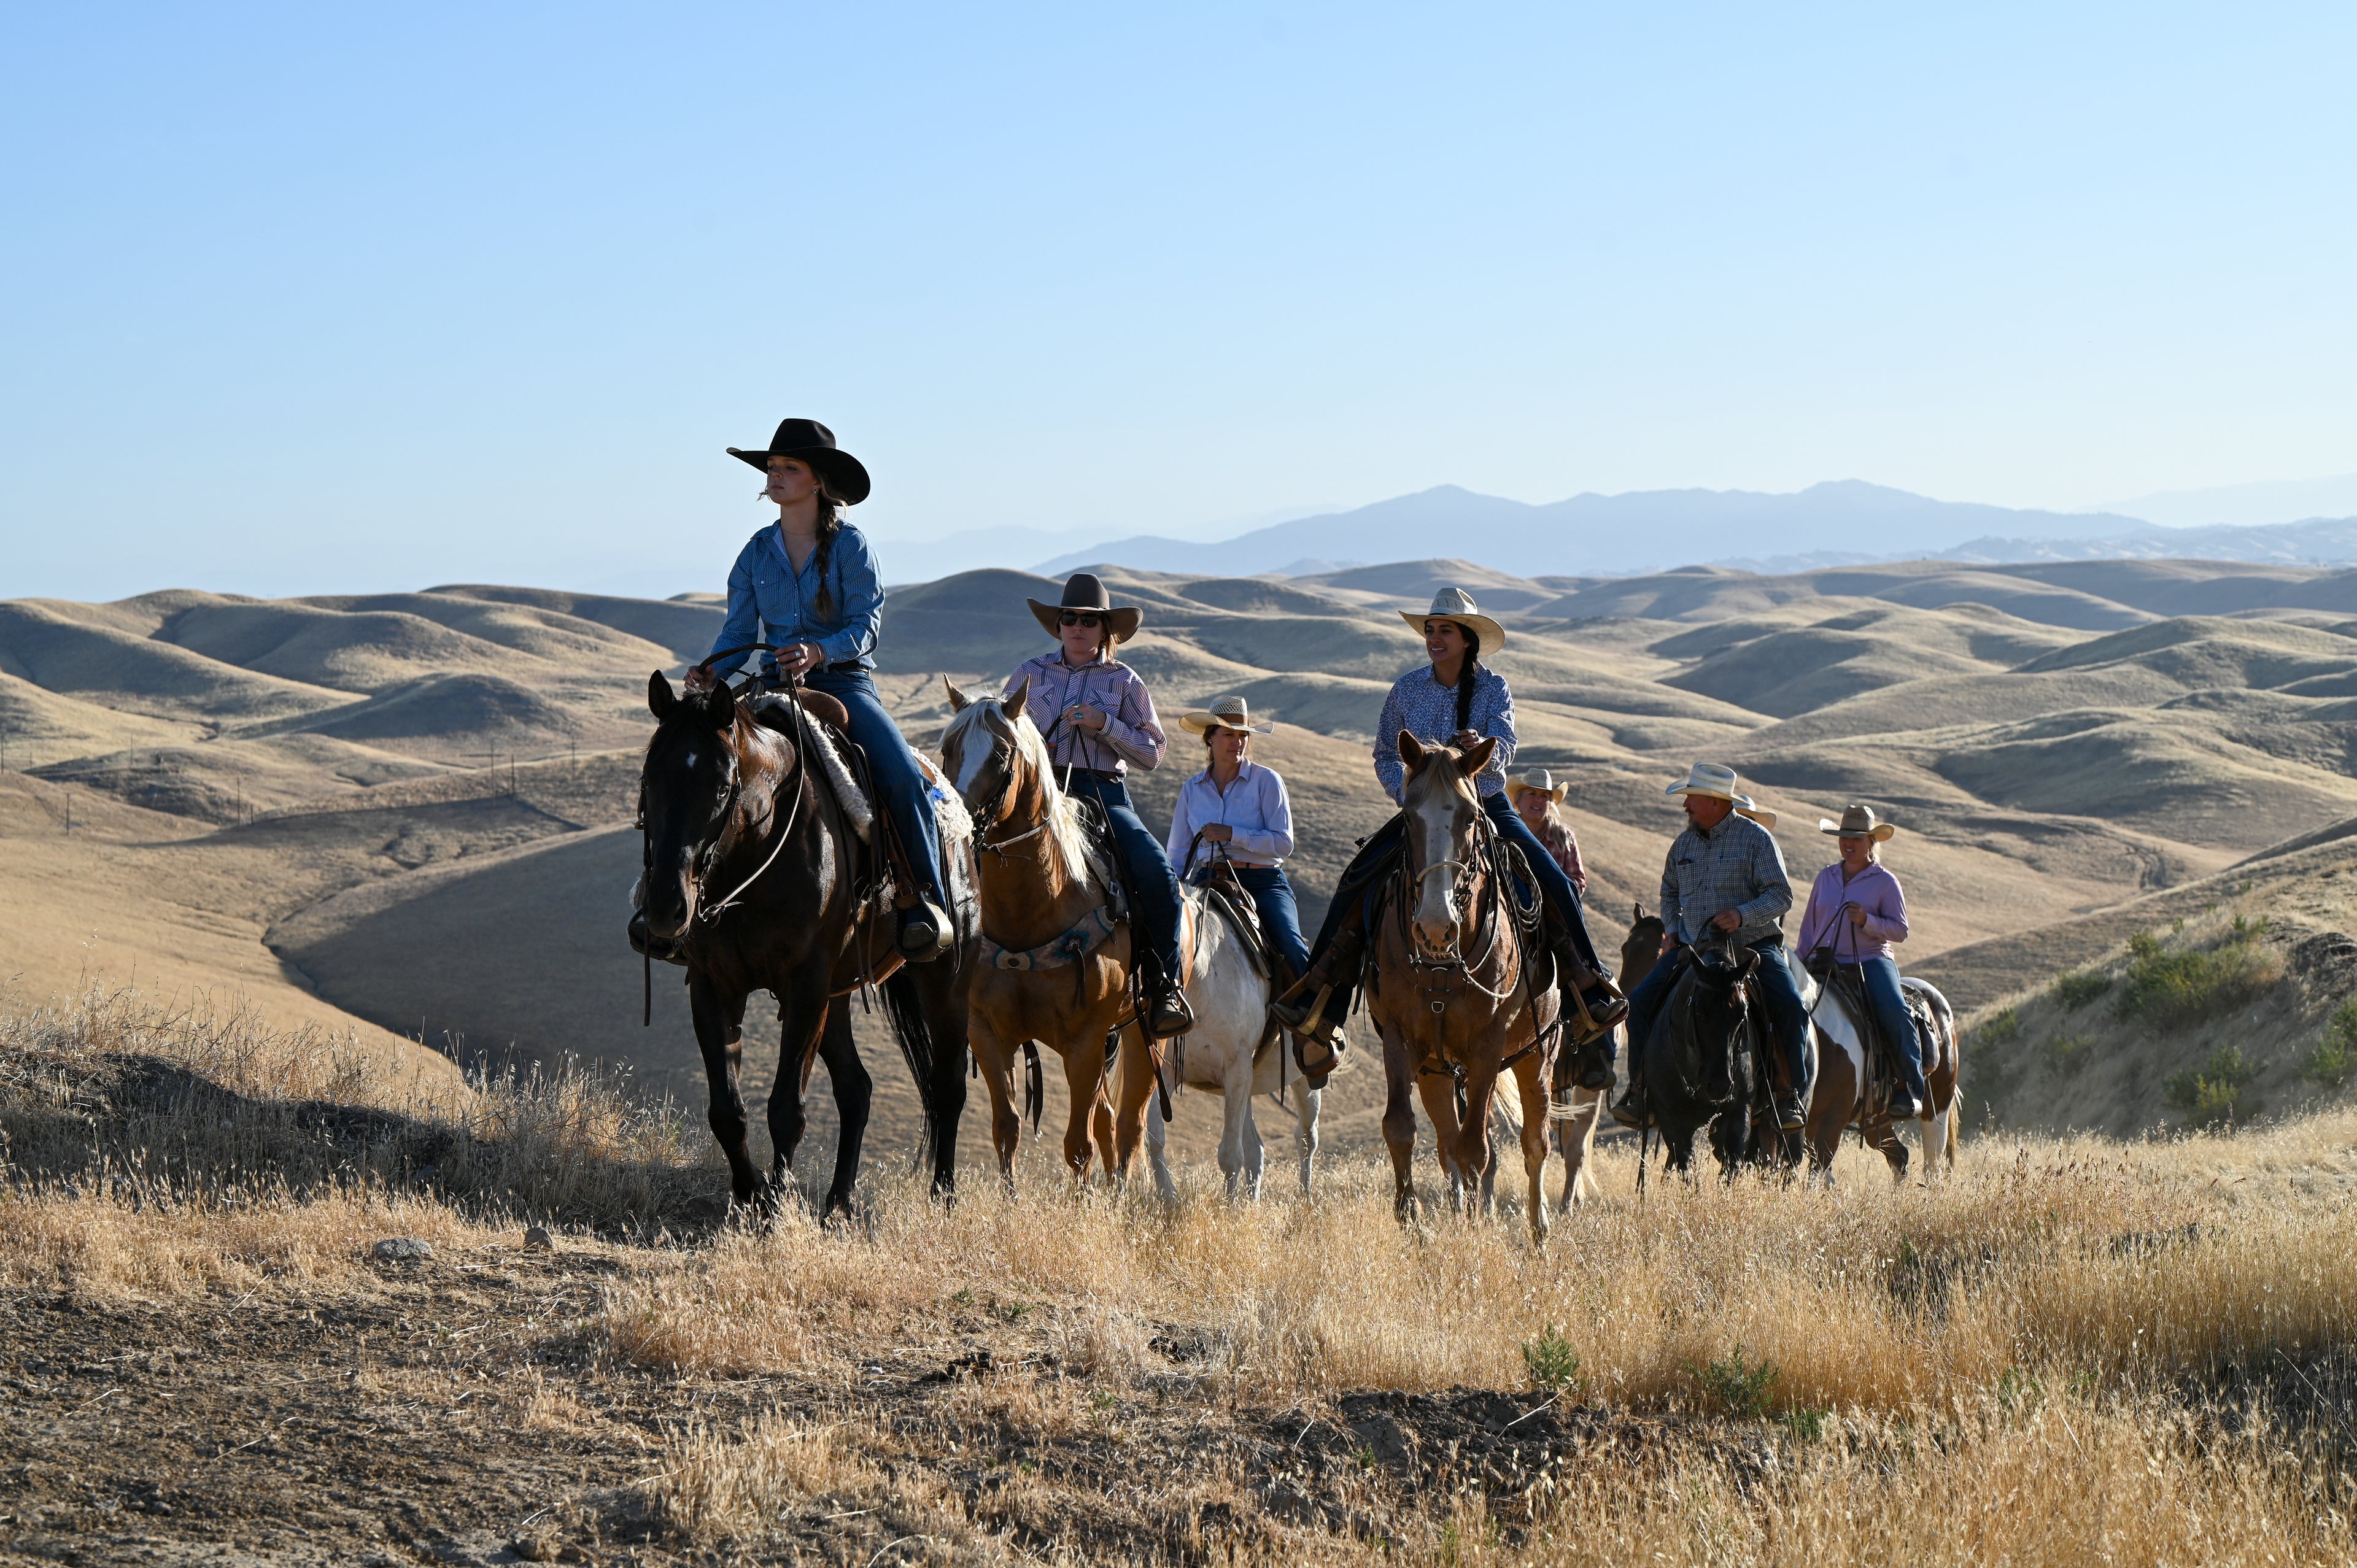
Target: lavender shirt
1874 890
1132 734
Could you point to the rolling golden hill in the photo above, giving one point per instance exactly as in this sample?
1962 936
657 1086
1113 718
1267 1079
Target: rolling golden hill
406 814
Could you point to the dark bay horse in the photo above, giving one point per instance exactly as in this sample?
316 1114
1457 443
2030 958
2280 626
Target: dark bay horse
753 873
1452 988
1706 1062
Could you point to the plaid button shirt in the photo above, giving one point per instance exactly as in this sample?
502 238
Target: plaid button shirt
1428 710
1736 867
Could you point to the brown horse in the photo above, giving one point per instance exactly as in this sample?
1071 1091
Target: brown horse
752 878
1845 1099
1451 988
1056 950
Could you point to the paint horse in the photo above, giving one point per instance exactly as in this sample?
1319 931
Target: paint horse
1849 1096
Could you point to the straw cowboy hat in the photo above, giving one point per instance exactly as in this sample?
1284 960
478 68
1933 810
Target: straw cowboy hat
1456 605
1537 779
844 476
1857 822
1083 591
1225 713
1719 782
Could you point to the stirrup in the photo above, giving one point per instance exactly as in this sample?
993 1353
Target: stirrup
1634 1109
913 920
1154 1022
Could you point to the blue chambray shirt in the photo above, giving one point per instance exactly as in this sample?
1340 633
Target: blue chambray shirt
1428 710
769 601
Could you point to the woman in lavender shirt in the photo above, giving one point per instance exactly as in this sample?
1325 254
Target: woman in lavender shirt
1237 807
1856 914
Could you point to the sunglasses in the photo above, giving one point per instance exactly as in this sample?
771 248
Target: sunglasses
1075 618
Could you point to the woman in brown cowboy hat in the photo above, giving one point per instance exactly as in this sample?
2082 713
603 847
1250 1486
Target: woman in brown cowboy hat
1857 913
1238 807
1456 698
1099 722
1537 799
808 585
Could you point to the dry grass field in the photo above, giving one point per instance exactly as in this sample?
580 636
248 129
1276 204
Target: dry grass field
2077 1350
310 938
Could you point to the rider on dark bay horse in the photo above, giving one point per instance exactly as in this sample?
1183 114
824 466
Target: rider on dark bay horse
809 585
1099 722
1724 878
1456 698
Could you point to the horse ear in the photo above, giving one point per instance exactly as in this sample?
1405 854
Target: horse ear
719 707
660 698
1637 912
959 701
1477 757
1411 752
1012 704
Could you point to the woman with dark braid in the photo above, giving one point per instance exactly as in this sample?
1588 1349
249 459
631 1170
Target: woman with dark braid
808 585
1454 699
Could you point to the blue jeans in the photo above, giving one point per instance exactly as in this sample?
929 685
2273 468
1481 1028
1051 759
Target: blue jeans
1153 885
894 769
1787 1013
1898 1027
1272 895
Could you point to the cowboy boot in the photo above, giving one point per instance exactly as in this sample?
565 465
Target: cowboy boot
924 933
1165 1010
1317 1038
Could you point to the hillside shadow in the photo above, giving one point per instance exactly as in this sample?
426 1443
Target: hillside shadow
559 1149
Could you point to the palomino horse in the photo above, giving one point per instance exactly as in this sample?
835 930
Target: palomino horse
1451 988
1845 1099
1057 949
1234 1047
751 873
1575 1122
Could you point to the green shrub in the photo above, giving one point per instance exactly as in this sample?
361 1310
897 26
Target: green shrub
1736 1386
2335 1056
2079 987
2178 987
2213 1092
1553 1364
2067 1053
1997 1028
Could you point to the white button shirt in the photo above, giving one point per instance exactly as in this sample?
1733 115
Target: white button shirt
1253 805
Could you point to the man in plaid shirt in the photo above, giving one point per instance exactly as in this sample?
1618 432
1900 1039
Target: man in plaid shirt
1724 881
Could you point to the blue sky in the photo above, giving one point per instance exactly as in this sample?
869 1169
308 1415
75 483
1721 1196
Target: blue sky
328 298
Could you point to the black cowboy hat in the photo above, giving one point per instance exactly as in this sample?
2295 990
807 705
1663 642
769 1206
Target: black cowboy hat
845 477
1083 591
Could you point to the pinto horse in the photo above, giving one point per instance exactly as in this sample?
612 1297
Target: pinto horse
1451 989
751 874
1058 953
1843 1099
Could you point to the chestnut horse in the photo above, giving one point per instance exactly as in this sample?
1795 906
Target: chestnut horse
751 875
1843 1100
1450 987
1056 951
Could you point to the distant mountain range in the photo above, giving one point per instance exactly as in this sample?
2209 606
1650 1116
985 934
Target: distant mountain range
1841 523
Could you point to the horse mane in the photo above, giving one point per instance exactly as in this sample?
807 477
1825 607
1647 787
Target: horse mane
1064 828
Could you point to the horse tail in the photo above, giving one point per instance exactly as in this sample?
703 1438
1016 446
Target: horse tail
904 1009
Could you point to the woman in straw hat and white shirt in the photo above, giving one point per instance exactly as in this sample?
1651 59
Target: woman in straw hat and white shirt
1240 804
1857 913
1456 699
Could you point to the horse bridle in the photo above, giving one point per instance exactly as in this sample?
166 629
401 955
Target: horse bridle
707 858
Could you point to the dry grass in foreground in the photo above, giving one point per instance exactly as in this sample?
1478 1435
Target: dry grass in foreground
2075 1351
